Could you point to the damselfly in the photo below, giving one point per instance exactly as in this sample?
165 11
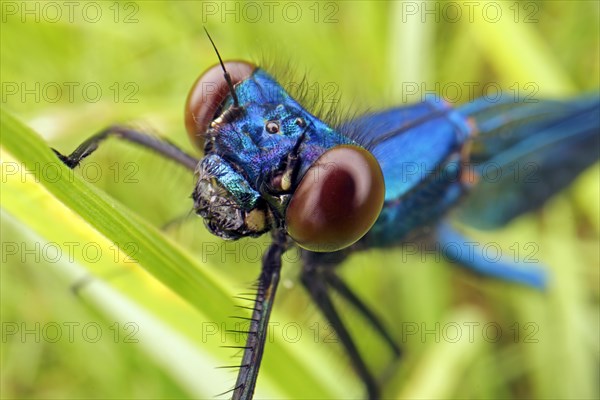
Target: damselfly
381 179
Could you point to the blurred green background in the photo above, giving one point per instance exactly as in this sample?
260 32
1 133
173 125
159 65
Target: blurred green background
70 70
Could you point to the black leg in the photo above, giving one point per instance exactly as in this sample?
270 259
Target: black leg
316 285
337 284
263 304
161 146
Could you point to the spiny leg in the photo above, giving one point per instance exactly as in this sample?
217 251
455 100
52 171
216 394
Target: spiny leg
314 282
263 304
340 286
161 146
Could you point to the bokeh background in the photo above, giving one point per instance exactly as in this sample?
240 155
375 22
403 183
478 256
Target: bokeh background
69 70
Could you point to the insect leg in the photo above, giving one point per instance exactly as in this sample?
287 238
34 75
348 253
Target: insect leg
313 281
263 304
161 146
340 286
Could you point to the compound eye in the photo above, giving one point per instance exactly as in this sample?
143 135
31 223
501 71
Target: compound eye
337 201
205 100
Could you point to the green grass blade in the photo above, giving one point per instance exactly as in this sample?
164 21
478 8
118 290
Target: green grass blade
156 254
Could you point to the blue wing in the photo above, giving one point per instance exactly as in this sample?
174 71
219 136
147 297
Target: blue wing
418 148
524 153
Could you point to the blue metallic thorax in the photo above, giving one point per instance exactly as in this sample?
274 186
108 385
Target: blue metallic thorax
418 148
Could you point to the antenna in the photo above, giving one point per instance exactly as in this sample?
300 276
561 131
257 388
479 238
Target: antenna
225 73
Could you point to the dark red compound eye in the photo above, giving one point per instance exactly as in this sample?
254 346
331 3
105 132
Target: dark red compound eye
337 201
207 95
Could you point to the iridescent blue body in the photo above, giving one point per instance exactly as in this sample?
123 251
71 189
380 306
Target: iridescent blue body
433 157
419 162
419 151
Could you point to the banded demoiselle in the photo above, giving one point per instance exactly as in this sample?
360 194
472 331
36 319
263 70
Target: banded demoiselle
378 180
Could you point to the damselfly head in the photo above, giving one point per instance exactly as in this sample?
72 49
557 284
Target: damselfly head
269 163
